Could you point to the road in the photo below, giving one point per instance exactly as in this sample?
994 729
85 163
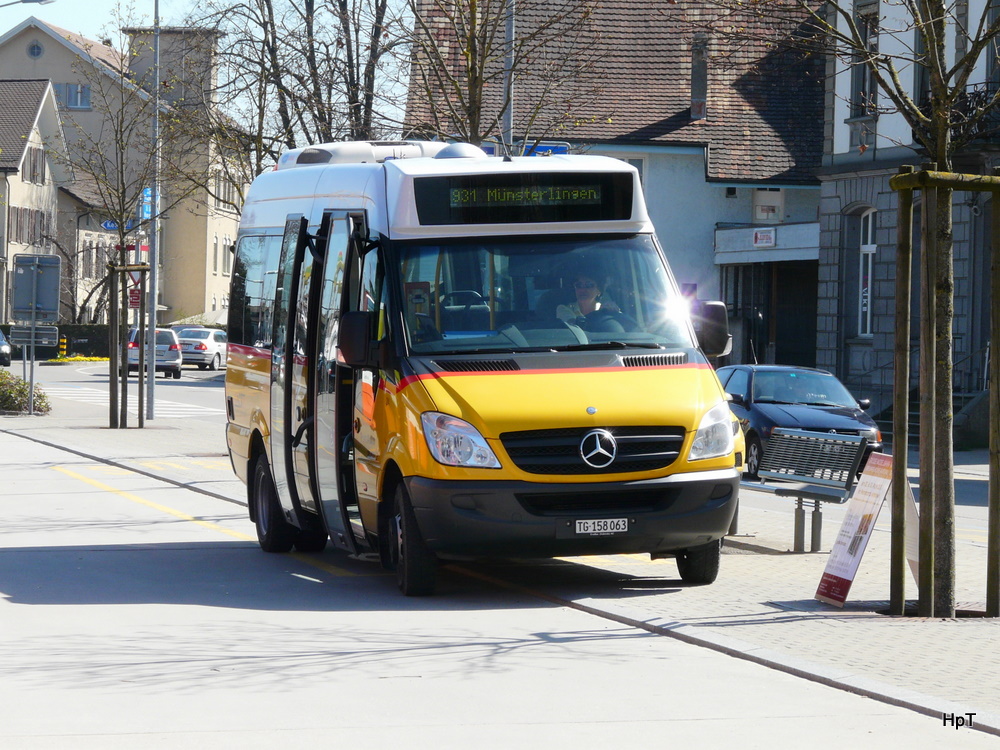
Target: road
140 613
197 395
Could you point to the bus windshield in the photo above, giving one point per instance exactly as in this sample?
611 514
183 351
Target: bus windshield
539 294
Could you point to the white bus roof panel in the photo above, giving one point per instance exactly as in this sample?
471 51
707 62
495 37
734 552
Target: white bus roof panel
385 190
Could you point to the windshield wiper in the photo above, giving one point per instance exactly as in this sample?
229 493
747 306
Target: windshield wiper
499 350
606 345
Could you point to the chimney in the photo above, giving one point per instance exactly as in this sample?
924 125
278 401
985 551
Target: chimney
699 76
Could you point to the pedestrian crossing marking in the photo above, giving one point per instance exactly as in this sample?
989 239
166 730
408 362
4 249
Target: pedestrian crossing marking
162 408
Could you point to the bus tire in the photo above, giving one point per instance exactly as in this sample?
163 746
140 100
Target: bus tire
274 533
700 565
310 540
416 566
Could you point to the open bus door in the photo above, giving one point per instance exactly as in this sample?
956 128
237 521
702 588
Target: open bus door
332 458
304 436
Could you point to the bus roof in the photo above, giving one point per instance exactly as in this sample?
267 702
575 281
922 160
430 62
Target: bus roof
394 183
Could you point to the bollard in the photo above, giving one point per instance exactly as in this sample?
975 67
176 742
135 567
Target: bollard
62 347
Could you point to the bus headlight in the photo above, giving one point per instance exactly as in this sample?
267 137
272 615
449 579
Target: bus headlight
455 442
714 437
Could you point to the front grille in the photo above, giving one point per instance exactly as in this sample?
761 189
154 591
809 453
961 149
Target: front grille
558 451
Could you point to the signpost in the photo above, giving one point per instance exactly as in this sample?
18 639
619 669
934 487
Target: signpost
862 512
112 226
35 297
37 336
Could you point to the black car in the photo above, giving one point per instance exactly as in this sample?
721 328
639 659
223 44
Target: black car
4 351
767 396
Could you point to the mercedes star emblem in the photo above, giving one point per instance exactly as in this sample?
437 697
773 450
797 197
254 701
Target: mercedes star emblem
598 449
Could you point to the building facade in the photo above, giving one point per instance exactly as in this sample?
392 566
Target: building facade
726 141
30 140
866 142
195 232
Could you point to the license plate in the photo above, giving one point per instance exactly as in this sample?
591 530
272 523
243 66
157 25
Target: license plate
602 526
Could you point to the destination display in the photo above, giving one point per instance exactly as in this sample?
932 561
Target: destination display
523 198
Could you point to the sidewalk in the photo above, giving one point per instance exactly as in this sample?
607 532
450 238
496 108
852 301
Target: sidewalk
761 608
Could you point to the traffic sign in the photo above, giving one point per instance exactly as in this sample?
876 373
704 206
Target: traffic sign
112 226
44 335
133 298
35 287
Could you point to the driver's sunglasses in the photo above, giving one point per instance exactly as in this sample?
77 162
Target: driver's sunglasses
584 284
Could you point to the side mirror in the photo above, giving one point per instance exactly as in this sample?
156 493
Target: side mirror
864 403
354 338
737 398
713 332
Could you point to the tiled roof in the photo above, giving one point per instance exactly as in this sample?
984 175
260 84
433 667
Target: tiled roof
19 105
100 52
765 116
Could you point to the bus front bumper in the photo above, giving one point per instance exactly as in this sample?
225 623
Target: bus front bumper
525 519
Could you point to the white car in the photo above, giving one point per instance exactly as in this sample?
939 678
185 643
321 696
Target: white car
205 347
168 352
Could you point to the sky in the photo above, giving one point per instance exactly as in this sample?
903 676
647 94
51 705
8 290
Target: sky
90 17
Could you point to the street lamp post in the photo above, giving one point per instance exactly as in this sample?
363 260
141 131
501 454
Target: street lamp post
152 298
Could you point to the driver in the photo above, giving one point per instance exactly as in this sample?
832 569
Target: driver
588 299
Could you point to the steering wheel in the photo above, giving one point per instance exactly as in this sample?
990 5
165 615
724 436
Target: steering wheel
602 320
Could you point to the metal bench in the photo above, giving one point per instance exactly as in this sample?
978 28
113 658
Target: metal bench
817 466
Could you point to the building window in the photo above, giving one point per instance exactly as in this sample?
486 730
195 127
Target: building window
215 255
227 255
28 226
866 277
73 95
35 49
863 86
34 166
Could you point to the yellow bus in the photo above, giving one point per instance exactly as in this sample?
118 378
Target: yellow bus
436 354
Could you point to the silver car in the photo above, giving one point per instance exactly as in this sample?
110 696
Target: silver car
205 347
168 352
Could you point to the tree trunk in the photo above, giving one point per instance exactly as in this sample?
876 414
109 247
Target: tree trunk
944 483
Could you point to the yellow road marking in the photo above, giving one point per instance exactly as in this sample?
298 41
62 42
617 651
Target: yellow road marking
155 506
212 464
319 564
161 464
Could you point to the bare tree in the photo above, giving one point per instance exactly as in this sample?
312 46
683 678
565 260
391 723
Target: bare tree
472 61
110 146
292 73
887 46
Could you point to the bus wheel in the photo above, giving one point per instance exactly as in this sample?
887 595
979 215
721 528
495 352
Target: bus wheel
700 564
274 533
310 540
416 566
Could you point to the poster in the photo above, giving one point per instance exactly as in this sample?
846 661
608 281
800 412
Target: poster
862 513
